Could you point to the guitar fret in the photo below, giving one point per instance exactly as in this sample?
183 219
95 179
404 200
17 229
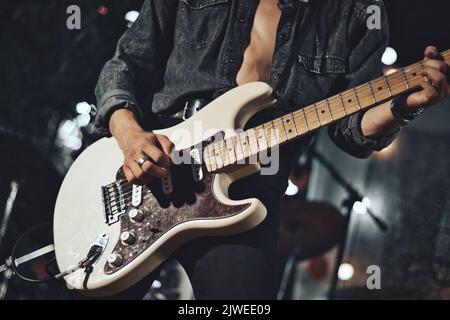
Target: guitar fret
253 142
343 103
218 156
306 120
260 141
246 150
270 134
281 139
329 108
240 157
357 98
388 85
373 93
223 148
317 114
293 122
406 79
230 151
210 151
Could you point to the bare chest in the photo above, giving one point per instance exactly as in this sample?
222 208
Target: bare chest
257 60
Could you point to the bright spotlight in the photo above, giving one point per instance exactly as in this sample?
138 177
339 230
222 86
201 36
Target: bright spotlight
131 17
83 108
73 143
345 272
292 189
83 119
359 207
67 128
389 57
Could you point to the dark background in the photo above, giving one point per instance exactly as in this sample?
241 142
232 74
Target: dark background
46 69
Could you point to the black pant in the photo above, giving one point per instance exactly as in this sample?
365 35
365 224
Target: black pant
242 266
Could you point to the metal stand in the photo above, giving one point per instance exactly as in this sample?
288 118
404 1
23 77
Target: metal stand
7 214
286 286
352 196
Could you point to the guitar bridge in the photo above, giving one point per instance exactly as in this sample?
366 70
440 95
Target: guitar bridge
113 202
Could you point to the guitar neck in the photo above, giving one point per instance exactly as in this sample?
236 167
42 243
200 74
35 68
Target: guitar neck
305 120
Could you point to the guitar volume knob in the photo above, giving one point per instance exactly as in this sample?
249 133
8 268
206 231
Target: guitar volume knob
128 237
115 260
136 215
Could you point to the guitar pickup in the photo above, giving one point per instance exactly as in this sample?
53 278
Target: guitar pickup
136 197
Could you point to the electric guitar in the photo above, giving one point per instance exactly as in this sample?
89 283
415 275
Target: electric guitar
109 234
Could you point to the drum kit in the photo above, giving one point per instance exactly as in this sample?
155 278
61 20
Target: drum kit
28 188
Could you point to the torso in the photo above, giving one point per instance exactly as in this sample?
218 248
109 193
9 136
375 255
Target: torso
258 55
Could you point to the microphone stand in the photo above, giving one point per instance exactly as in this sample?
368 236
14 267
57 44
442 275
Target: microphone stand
7 214
352 196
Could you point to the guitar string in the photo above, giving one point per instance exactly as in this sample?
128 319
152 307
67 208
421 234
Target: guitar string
129 186
401 74
304 113
350 93
327 102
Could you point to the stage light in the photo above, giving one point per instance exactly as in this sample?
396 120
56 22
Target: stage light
345 272
292 189
389 57
156 284
73 143
102 10
67 129
83 107
83 119
69 134
361 207
131 17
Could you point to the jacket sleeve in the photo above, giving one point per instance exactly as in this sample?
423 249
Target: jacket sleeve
136 70
364 64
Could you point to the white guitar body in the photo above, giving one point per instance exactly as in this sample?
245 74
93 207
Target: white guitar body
79 213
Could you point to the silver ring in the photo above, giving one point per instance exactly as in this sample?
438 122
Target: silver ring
142 160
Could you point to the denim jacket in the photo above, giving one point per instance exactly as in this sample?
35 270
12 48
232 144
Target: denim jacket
183 49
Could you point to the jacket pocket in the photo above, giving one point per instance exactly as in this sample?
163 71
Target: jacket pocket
200 21
327 64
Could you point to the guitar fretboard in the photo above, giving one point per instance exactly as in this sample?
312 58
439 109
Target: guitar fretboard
250 143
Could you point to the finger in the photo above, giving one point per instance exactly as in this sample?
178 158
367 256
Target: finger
166 144
431 52
429 95
438 80
137 171
128 174
152 170
157 156
441 66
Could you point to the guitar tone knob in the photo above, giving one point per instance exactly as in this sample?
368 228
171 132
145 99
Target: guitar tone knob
136 215
115 260
128 237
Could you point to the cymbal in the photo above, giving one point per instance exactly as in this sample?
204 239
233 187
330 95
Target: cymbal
313 227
